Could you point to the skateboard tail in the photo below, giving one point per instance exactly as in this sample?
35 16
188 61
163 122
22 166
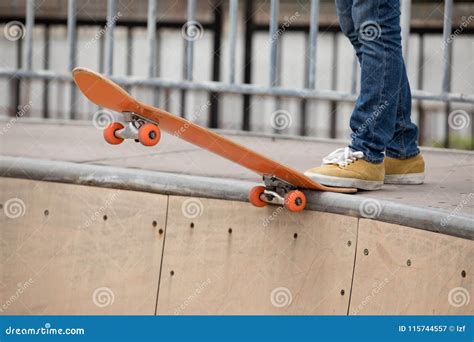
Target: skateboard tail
102 91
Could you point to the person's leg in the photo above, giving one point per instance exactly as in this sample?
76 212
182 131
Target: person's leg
344 13
380 119
373 120
404 163
346 167
403 144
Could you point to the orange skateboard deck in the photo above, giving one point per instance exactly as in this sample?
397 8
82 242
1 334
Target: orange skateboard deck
145 123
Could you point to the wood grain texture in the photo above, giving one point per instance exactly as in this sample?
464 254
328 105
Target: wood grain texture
71 253
231 258
411 272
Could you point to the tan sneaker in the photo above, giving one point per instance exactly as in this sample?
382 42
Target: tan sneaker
405 171
346 168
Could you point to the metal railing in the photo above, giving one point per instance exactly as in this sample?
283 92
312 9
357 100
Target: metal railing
229 85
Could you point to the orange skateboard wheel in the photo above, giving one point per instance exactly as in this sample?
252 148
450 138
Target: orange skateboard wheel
254 196
295 201
149 134
109 133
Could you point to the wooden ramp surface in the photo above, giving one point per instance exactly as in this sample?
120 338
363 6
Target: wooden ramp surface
70 249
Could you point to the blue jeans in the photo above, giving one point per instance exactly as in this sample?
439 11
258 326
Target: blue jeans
381 119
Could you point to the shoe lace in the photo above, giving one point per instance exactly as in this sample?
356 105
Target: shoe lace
343 157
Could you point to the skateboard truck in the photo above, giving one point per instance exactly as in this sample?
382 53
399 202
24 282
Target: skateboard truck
134 128
277 191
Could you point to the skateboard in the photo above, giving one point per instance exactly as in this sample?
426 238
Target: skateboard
144 123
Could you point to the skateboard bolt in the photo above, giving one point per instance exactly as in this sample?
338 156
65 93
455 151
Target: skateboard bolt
463 274
46 212
295 236
105 217
230 230
366 251
408 262
343 292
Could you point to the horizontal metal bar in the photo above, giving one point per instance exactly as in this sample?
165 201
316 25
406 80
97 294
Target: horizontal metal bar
177 24
228 189
221 87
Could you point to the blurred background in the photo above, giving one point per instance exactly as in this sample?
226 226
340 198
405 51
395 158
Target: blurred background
265 66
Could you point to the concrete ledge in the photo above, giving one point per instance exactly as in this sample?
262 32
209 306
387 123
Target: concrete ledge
185 185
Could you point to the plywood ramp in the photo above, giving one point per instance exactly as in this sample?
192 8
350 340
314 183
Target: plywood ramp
401 270
225 257
78 249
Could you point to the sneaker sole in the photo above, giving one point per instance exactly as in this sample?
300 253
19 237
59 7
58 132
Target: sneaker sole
406 179
344 182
